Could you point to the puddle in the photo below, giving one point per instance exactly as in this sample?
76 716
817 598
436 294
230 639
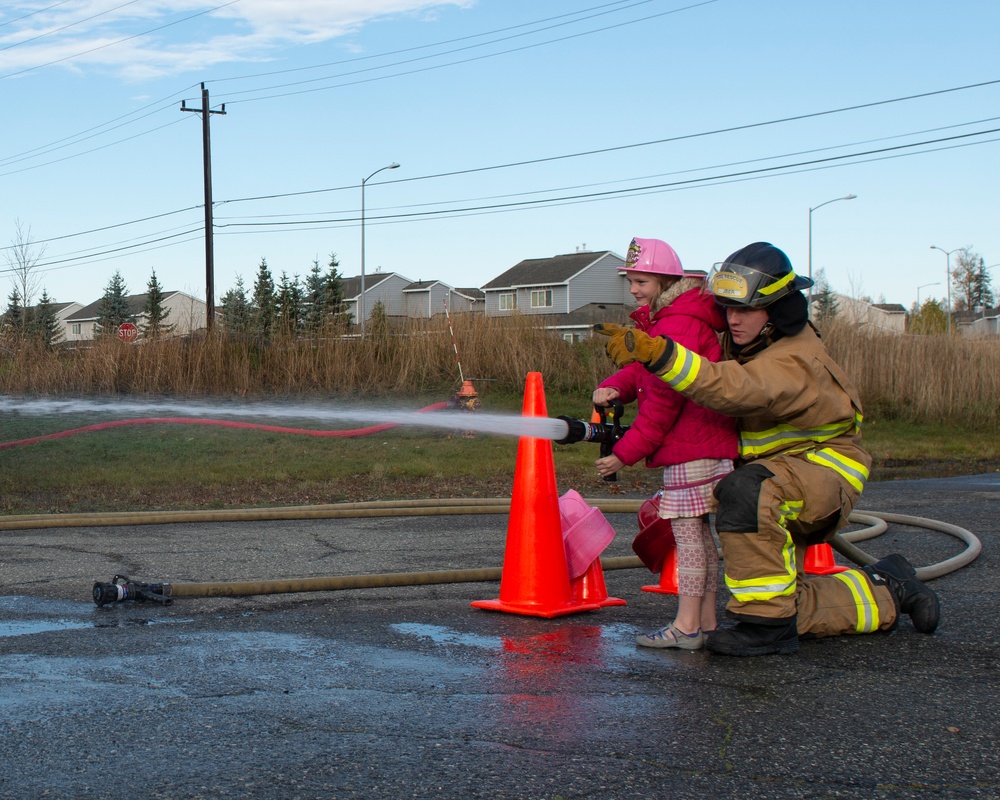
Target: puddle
441 635
37 615
39 626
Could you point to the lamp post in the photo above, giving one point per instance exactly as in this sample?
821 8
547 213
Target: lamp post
947 254
361 299
809 291
924 286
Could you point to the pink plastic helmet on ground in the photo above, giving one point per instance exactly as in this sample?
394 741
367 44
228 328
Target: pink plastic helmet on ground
652 255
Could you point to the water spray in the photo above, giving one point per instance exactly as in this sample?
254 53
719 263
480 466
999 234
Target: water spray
606 429
203 413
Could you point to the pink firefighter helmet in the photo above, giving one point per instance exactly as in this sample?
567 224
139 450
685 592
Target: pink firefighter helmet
652 255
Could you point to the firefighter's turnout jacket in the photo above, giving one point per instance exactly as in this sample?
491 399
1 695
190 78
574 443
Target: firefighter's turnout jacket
802 469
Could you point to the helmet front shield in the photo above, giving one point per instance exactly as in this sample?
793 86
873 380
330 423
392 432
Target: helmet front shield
739 285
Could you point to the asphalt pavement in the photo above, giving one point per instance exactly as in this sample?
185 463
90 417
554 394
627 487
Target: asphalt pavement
409 692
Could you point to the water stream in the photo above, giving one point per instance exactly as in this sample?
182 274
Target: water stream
500 424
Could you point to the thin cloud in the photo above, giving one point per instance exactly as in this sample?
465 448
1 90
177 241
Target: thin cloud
155 38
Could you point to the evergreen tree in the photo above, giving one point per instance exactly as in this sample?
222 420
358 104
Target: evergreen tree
14 319
982 285
44 324
236 309
262 307
313 299
155 315
825 304
113 310
334 308
378 324
289 304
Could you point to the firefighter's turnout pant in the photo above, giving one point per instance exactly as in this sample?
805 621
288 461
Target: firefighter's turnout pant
769 512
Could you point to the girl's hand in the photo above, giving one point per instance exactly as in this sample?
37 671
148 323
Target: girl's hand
608 465
604 396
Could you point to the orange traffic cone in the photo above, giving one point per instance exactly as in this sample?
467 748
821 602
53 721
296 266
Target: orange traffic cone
668 575
819 560
535 577
590 587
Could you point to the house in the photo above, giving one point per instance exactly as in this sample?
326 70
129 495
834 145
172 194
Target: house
572 291
184 312
981 322
425 299
64 310
884 317
380 287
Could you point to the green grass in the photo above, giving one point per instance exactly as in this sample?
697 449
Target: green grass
170 466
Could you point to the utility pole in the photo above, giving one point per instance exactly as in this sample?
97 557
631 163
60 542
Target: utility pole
206 147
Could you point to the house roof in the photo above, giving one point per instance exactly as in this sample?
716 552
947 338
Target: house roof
471 293
136 305
352 286
57 307
972 316
421 286
545 271
890 308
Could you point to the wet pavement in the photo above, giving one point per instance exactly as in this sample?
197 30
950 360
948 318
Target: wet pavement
410 692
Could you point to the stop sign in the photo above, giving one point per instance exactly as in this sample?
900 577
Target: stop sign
127 332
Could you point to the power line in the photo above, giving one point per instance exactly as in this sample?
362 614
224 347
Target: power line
452 63
34 13
108 227
116 42
634 190
70 25
423 46
634 145
494 167
59 143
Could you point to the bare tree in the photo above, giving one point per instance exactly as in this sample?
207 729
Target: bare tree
22 257
971 281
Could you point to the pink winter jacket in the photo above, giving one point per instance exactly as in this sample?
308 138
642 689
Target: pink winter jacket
668 428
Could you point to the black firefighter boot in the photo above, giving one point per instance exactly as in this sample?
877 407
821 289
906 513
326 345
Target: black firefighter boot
912 597
761 637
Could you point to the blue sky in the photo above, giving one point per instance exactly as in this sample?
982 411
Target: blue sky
523 130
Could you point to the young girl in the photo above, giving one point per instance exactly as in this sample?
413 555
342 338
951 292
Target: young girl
694 446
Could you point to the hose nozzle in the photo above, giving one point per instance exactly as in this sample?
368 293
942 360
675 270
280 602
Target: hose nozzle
122 588
607 431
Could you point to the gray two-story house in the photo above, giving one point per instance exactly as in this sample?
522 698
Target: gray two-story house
573 291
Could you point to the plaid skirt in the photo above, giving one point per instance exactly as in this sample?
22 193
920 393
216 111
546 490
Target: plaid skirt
687 487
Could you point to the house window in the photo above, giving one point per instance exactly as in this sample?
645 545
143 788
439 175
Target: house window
77 328
541 298
508 301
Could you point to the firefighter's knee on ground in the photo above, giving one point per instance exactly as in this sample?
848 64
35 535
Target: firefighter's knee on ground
738 494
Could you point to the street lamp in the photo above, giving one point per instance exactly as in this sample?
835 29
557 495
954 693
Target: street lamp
361 299
809 291
948 275
924 286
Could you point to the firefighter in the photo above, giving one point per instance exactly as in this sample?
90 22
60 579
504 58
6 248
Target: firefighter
801 468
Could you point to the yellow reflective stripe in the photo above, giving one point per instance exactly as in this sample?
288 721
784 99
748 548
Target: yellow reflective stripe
771 586
687 364
778 284
850 470
755 443
864 600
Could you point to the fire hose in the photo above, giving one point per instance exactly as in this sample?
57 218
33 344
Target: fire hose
122 588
